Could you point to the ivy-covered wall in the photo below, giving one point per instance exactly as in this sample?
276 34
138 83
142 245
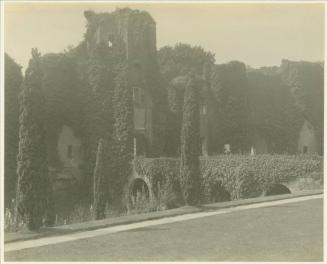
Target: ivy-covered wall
243 104
305 81
231 121
262 108
276 118
79 88
242 176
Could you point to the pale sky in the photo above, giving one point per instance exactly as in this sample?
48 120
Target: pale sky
256 34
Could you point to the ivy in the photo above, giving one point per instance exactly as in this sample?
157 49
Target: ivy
123 135
242 176
232 123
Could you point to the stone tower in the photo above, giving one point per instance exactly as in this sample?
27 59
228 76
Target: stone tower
131 35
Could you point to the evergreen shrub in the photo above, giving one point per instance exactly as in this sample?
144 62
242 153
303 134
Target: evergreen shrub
190 143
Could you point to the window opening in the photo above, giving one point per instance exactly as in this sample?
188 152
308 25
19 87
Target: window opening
70 151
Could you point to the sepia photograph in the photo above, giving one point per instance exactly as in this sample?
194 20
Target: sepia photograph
162 131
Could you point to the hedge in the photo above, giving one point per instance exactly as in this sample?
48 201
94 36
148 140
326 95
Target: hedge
242 176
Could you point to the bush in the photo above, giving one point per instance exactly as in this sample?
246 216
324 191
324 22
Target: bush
12 223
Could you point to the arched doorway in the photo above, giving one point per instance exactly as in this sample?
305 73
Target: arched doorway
219 193
139 191
276 189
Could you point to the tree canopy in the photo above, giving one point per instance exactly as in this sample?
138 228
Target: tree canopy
182 59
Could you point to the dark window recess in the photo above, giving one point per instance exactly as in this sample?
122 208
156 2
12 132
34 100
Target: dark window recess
204 110
70 151
140 145
138 96
305 149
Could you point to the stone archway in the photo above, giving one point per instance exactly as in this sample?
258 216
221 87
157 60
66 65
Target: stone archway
219 193
276 189
138 190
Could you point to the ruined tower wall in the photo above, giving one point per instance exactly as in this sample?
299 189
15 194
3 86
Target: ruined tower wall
130 36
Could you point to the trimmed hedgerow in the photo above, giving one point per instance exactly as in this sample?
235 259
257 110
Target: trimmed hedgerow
242 176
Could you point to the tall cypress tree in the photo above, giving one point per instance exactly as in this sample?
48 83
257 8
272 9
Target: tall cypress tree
32 168
100 183
123 135
13 80
190 144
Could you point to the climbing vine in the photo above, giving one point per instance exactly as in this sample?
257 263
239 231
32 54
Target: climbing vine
242 176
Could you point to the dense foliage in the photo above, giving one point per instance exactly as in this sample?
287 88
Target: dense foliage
272 102
13 79
305 81
122 136
32 168
275 115
175 63
175 97
240 176
183 59
65 99
158 93
190 143
251 175
98 120
89 89
100 183
163 174
282 98
231 115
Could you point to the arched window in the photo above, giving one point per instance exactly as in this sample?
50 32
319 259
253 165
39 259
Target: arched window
204 109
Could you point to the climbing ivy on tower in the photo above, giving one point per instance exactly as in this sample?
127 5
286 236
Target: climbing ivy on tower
122 136
98 121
